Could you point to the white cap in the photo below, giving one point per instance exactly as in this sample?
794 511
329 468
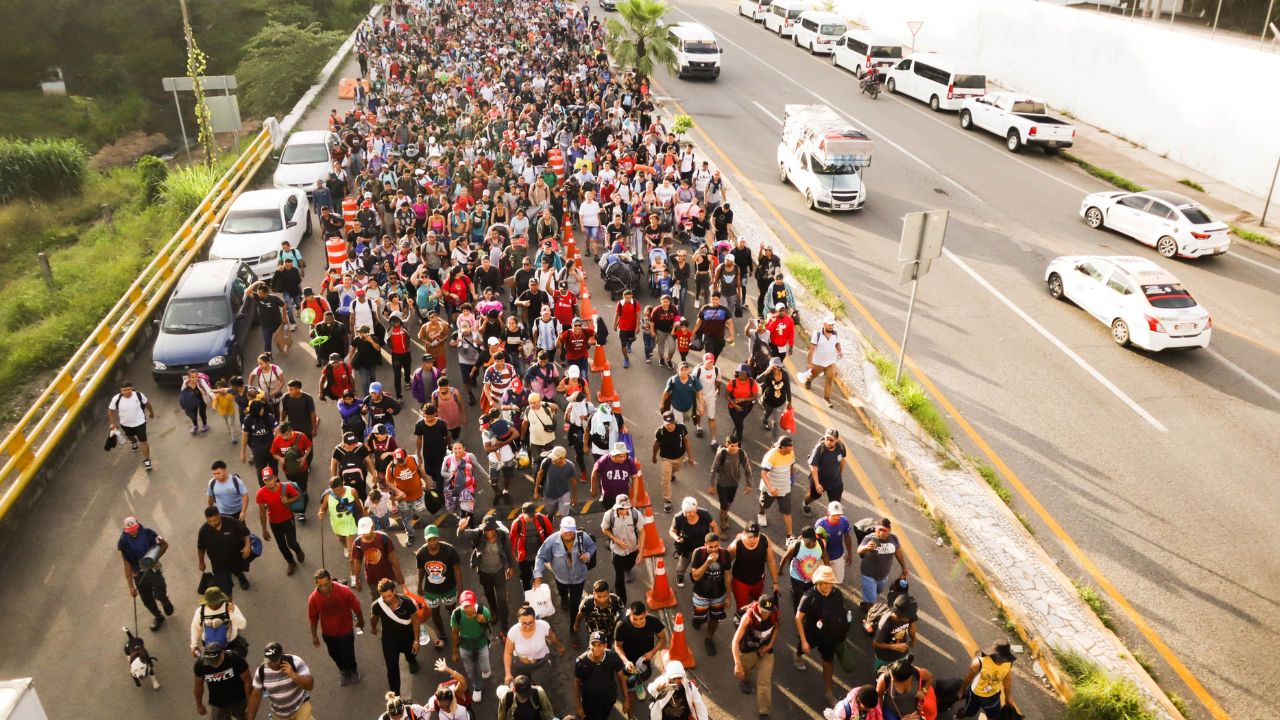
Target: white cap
573 371
689 504
568 523
365 526
675 669
835 508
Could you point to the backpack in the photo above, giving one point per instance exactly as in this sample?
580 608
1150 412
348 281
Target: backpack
235 479
296 504
218 634
591 559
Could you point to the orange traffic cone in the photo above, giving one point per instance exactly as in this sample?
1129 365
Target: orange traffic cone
640 499
599 363
679 648
570 247
585 310
607 393
652 546
660 596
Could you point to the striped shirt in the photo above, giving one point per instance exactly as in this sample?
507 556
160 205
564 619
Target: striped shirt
285 695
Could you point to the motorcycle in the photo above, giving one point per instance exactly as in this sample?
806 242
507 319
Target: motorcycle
871 86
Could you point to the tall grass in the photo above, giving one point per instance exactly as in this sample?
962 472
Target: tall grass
44 168
1253 237
1099 696
810 275
1094 600
1102 173
912 398
186 187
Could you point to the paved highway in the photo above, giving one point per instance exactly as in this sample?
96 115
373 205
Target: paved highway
64 600
1133 454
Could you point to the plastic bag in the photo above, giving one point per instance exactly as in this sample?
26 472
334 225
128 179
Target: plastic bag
539 599
788 420
804 376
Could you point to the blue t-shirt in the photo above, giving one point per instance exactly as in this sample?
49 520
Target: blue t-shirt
683 394
229 495
134 547
835 536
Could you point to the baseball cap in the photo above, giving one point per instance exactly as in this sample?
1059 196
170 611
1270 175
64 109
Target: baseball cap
709 356
577 322
779 306
766 602
432 531
775 363
558 452
668 417
375 387
399 454
213 650
468 597
521 685
350 438
689 504
528 508
620 448
567 523
273 651
267 472
131 523
753 529
835 508
599 637
744 369
365 526
622 502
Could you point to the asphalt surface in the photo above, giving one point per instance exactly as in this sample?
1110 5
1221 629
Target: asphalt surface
1133 496
64 601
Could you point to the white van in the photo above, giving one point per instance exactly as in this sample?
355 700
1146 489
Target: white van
754 9
818 30
697 53
783 15
941 81
860 49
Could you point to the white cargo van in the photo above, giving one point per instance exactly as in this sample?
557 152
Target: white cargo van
754 9
823 156
941 81
859 49
783 14
818 30
697 53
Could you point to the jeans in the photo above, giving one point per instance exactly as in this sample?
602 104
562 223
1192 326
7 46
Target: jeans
621 564
200 411
408 510
152 591
267 332
367 376
290 302
871 587
495 591
570 598
739 417
286 535
342 649
475 665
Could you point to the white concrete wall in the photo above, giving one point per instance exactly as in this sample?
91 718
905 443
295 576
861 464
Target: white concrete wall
1212 106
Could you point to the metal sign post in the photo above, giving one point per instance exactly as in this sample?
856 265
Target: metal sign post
224 109
921 244
914 26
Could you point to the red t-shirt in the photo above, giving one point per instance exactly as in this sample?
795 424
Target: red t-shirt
782 331
376 555
277 510
299 441
398 339
627 314
334 611
576 347
565 307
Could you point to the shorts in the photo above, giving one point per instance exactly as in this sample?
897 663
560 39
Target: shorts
435 600
784 502
709 406
746 593
726 495
136 434
626 337
704 608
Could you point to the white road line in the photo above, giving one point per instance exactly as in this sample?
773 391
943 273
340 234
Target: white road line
765 110
1084 365
1244 374
1251 261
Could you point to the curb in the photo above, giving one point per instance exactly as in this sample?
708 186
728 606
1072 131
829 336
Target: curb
1045 658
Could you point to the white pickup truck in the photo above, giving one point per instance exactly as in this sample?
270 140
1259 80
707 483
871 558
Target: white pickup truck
1019 119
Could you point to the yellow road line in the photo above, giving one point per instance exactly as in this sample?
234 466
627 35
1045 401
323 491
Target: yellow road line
1165 652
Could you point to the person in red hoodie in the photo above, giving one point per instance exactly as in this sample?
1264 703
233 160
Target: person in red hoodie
782 331
400 343
626 321
331 607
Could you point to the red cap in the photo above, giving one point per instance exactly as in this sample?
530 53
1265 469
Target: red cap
468 597
399 453
266 472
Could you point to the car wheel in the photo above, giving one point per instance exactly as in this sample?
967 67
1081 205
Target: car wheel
782 173
833 59
966 120
307 233
1013 142
934 104
236 367
1055 286
1120 332
857 71
808 199
811 51
891 86
1167 247
1093 218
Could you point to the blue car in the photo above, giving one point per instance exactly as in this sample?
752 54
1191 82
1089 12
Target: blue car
204 325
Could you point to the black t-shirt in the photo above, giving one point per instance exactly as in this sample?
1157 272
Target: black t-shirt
382 410
366 355
891 630
351 465
829 610
599 680
692 534
671 445
395 632
637 641
269 309
677 707
711 584
226 688
223 545
438 568
298 411
435 443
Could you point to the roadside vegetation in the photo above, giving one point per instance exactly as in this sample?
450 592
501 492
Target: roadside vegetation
1253 237
1098 696
912 398
1191 184
1093 599
1102 174
812 277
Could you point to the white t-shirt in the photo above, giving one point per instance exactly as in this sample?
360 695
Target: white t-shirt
708 376
824 347
130 409
534 648
589 213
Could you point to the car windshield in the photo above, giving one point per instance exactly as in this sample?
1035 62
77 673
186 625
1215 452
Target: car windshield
1196 215
832 30
886 51
247 222
1029 107
820 168
793 14
305 154
971 82
195 315
701 47
1168 296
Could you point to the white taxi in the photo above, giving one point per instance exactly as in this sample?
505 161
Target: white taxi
1171 223
1142 303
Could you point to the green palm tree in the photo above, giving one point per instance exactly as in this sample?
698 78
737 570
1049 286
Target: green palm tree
640 42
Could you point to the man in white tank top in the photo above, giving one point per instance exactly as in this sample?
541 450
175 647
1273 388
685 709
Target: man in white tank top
709 375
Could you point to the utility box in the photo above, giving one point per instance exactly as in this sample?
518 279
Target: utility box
18 701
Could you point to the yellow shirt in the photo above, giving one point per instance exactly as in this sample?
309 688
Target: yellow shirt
990 678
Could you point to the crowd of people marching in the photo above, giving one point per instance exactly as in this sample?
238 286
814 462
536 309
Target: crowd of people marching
482 137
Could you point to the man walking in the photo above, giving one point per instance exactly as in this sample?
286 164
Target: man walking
128 412
376 553
826 469
528 531
878 550
286 682
557 482
708 570
140 550
331 607
492 560
273 511
567 552
229 682
623 525
599 680
225 542
671 442
753 650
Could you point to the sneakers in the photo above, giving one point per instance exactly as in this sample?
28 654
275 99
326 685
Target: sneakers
147 464
133 445
476 695
648 359
343 680
710 645
244 582
409 539
800 663
806 510
302 557
680 583
194 429
293 568
157 622
204 428
300 517
761 520
640 695
715 445
666 506
626 363
413 665
355 678
697 432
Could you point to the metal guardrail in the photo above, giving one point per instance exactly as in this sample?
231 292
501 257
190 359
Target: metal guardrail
37 435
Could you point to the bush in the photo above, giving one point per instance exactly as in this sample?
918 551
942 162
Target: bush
93 121
185 187
153 172
41 168
280 63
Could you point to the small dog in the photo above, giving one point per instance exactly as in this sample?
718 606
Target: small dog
141 663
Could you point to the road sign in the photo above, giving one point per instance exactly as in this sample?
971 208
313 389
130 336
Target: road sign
922 236
914 26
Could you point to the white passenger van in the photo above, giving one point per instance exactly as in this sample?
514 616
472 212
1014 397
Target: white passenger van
818 30
941 81
783 15
754 9
697 53
860 49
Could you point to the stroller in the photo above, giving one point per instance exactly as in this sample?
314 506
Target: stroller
622 274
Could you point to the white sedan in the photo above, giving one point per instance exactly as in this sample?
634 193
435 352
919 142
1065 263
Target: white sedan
1141 302
1171 223
258 224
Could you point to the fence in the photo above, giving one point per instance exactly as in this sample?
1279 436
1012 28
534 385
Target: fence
31 442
